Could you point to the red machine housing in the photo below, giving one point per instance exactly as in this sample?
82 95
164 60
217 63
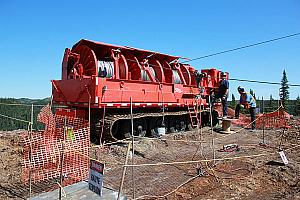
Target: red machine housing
103 75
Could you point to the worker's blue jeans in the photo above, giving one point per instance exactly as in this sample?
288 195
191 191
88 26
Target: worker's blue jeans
224 103
252 114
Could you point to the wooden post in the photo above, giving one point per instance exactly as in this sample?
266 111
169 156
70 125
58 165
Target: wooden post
90 110
102 128
199 129
263 105
132 159
264 120
163 106
51 101
212 131
200 126
62 159
30 157
87 89
264 131
124 171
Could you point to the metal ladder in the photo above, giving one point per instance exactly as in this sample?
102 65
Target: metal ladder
193 116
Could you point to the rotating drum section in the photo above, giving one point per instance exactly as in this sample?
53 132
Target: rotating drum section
187 75
145 76
88 60
168 72
156 67
121 62
80 62
139 70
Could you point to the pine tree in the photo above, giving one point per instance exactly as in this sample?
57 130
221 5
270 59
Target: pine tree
20 112
262 104
270 104
233 101
284 89
297 106
251 92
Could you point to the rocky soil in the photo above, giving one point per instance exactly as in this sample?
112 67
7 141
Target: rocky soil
253 171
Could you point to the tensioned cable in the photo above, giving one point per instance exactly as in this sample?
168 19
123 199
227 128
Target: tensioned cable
232 79
265 82
21 120
22 104
242 47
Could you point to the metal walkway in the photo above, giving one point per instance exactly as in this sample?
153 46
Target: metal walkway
79 191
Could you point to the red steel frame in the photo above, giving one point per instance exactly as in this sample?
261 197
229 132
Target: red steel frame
127 82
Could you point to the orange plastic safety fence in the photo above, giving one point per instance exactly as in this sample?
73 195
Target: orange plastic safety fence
47 154
276 119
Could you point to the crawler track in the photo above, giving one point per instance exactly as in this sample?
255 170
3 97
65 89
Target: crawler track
110 120
118 126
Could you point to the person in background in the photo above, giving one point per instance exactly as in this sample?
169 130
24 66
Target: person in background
222 93
198 76
247 101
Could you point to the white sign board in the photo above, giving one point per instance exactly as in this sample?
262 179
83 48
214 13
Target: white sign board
96 177
283 157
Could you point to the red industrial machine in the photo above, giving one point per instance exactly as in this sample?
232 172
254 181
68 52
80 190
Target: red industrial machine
100 82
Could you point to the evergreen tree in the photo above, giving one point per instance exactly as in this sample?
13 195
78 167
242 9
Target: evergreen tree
262 104
233 101
297 110
19 111
270 104
284 89
252 93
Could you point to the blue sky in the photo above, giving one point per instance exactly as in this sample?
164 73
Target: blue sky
33 36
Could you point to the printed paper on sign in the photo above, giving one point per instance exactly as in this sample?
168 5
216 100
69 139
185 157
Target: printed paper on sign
96 177
283 157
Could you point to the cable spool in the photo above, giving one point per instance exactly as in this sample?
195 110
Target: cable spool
87 59
106 69
145 76
177 79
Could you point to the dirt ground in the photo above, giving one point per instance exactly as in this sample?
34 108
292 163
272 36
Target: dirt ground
256 172
10 164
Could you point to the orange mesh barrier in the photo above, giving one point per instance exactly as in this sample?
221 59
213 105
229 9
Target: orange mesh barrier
73 134
276 119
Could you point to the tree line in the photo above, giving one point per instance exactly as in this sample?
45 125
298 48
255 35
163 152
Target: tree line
271 104
20 109
23 111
